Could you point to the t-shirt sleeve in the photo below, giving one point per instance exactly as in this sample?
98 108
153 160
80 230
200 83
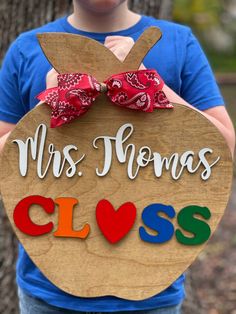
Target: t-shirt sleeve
199 87
11 104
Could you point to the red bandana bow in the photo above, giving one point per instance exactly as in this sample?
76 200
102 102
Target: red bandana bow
139 90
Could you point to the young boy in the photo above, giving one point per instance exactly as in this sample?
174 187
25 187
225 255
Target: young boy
182 64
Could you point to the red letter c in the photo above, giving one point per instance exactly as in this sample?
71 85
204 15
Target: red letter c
22 219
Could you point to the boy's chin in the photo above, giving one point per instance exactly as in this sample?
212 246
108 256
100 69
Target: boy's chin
100 6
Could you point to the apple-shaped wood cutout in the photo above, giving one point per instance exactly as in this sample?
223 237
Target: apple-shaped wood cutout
130 268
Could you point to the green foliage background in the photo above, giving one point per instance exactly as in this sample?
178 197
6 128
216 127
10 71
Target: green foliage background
202 15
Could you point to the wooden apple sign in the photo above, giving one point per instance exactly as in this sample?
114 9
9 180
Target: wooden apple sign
121 201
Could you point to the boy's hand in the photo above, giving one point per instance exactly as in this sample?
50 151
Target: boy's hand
119 45
51 78
51 81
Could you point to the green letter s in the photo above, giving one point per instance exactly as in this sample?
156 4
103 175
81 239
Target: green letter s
188 222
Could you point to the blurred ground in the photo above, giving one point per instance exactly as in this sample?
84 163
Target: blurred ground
211 284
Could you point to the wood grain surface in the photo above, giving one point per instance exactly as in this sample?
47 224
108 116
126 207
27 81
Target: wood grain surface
130 269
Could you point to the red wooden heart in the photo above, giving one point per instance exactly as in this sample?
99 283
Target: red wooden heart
115 224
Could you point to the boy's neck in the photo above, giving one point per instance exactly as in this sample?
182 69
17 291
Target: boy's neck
118 19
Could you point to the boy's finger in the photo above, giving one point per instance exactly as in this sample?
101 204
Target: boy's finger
52 72
112 38
111 44
51 78
113 49
121 39
119 53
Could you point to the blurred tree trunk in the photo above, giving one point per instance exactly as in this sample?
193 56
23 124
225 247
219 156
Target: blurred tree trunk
17 16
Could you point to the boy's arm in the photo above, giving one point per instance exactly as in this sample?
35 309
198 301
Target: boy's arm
217 115
5 130
11 104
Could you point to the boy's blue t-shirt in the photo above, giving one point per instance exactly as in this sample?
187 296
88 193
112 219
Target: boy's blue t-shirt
180 61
